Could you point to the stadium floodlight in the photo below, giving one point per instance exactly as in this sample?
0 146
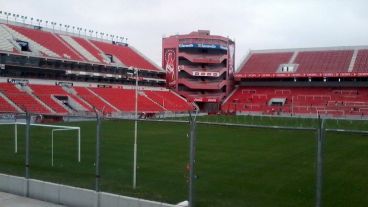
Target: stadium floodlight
66 28
23 19
15 16
31 20
7 16
53 25
46 23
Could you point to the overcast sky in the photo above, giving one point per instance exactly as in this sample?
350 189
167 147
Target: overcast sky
254 24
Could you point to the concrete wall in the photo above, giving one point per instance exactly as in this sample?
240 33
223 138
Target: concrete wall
70 196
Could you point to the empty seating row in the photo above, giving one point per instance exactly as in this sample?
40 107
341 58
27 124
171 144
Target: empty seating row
5 106
333 60
50 44
124 100
48 99
168 100
335 101
93 100
22 99
58 99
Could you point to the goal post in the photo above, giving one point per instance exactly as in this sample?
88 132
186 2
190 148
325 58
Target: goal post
52 142
54 128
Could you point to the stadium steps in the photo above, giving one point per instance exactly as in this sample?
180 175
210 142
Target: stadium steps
23 99
69 47
102 99
81 50
6 105
75 95
34 46
229 97
292 59
48 94
69 110
29 91
5 39
153 101
105 58
353 60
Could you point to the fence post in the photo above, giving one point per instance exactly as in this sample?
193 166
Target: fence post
192 153
27 136
98 139
319 161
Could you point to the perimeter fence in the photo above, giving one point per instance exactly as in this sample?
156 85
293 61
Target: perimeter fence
192 160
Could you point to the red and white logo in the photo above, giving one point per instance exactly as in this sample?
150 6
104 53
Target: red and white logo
170 66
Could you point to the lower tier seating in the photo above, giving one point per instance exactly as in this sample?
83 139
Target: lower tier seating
5 106
22 99
40 98
303 101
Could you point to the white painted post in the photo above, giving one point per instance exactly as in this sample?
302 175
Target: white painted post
135 132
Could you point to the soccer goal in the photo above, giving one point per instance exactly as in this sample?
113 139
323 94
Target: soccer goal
54 129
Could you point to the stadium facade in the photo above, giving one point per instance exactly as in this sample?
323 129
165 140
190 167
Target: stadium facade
200 67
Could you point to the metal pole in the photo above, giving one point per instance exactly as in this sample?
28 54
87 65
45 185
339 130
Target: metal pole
98 126
135 132
52 148
319 161
192 152
28 122
79 145
15 138
292 105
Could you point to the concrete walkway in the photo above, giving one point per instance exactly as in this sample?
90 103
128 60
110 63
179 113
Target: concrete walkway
10 200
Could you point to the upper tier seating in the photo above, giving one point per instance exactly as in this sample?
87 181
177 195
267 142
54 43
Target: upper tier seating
43 42
304 62
125 54
88 46
265 63
323 61
49 41
310 101
361 61
22 99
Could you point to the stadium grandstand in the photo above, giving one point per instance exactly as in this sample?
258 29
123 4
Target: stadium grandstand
54 72
331 81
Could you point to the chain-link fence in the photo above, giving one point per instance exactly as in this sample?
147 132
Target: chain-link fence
207 160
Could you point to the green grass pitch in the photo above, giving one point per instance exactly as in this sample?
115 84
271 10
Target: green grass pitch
235 166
